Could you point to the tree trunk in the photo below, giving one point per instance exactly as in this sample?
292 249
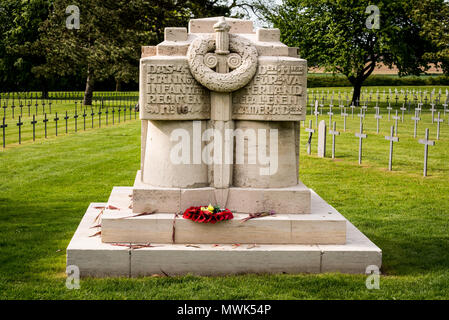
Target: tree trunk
44 89
358 80
118 85
357 85
88 93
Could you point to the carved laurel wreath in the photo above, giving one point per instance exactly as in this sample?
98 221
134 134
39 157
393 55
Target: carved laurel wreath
243 60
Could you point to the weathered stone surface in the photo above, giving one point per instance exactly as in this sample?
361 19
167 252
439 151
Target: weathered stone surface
282 229
258 88
206 25
148 51
172 155
322 133
353 257
90 255
221 106
272 49
102 259
278 92
290 200
169 92
175 34
268 35
293 52
172 48
269 165
222 82
146 198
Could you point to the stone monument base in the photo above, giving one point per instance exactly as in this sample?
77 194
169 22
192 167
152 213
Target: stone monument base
322 241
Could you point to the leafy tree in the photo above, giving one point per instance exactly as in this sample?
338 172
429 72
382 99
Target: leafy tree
20 21
334 35
433 15
110 36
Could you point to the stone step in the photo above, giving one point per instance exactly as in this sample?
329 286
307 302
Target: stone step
323 226
97 259
289 200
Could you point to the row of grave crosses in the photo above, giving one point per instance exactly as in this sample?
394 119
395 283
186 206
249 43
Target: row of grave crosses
46 105
408 97
396 117
20 122
361 135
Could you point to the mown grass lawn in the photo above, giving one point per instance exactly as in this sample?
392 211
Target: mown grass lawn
46 186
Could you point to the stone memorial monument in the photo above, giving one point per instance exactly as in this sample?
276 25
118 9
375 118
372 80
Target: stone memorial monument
220 108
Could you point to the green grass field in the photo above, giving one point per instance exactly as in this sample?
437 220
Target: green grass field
46 186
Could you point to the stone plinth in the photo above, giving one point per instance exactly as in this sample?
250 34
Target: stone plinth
98 259
287 200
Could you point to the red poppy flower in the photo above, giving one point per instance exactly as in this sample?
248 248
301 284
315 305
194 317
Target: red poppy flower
205 216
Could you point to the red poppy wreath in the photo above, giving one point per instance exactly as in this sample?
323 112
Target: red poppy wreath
208 214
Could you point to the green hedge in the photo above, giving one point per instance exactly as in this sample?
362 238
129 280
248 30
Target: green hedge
328 80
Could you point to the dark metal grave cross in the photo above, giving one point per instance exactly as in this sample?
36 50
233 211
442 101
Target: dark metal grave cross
426 142
45 125
12 108
34 127
392 139
56 119
92 114
84 119
76 120
20 124
99 118
4 126
66 118
107 112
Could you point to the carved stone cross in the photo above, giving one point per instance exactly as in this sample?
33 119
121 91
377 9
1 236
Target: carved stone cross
222 60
